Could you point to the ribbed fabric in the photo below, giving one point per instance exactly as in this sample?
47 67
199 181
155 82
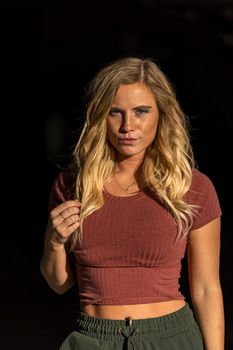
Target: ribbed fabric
128 254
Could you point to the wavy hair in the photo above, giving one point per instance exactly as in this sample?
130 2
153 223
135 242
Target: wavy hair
167 165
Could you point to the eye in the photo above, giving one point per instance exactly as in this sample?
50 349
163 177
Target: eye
141 111
114 112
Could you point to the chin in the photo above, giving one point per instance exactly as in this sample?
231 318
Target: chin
130 153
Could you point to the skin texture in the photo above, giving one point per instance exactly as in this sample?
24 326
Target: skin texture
203 264
134 114
54 265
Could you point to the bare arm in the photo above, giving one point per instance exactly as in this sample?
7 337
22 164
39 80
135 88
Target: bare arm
55 265
206 294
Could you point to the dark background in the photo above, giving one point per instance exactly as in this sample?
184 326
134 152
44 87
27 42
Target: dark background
49 52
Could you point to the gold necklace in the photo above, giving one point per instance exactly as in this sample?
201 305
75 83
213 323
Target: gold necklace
124 189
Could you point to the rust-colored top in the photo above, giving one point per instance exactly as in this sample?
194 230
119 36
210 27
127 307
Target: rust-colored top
128 254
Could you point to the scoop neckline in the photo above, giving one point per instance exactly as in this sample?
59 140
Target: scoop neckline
138 194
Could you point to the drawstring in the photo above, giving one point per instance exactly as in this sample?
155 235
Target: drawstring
129 334
129 345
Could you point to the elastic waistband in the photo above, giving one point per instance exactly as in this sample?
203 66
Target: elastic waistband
159 327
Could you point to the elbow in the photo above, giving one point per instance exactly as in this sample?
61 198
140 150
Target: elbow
61 288
208 293
42 271
57 287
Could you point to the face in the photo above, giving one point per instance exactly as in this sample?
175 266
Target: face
133 120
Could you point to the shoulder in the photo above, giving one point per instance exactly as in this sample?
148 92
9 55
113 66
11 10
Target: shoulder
203 196
65 179
63 187
201 185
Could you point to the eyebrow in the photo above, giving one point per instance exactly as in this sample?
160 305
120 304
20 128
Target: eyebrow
140 106
143 106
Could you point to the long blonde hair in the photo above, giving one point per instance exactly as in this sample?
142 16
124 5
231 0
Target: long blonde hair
167 166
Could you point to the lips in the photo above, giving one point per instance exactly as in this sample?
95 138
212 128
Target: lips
127 141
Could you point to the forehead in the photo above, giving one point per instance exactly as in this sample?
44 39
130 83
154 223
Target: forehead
133 92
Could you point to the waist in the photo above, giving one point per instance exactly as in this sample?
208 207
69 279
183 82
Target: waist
136 311
157 327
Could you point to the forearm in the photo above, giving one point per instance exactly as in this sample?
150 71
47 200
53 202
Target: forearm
208 308
56 269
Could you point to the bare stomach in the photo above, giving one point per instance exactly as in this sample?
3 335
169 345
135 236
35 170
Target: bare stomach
138 311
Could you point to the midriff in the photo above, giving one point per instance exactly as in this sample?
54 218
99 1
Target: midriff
138 311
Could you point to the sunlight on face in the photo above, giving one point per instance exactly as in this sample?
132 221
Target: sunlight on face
132 121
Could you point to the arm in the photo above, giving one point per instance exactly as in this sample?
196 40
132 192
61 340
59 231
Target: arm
55 265
206 294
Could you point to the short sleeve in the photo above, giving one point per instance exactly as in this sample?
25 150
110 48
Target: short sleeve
203 195
62 189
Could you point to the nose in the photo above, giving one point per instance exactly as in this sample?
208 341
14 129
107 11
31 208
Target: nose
127 123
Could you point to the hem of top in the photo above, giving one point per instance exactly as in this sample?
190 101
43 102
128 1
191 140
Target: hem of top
206 221
122 302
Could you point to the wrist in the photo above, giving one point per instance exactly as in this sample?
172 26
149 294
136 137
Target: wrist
53 239
54 245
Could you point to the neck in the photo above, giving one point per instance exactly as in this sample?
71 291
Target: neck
129 165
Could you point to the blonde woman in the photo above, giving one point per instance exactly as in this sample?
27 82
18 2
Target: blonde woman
122 217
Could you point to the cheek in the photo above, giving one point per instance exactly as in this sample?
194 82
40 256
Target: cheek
151 131
110 126
110 133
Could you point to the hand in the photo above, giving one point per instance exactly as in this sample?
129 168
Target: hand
63 221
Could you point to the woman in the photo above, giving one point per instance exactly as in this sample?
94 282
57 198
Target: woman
122 218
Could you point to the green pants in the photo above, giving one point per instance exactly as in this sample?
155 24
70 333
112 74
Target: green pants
175 331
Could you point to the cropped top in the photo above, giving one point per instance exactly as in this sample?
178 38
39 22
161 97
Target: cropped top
129 253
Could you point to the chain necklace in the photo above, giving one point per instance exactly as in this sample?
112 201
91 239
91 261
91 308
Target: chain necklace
127 188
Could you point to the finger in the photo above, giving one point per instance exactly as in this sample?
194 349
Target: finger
73 227
70 215
61 227
63 231
66 213
63 206
70 220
